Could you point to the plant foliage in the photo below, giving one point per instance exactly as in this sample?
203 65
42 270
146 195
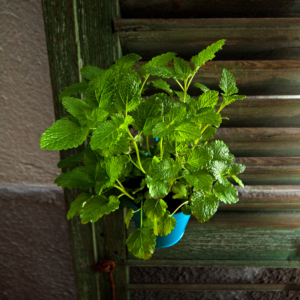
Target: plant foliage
161 141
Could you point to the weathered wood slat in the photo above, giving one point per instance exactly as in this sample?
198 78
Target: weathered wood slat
263 111
266 38
214 263
231 236
264 142
253 78
212 287
212 9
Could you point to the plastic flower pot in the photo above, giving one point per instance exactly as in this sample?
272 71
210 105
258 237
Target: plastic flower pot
172 238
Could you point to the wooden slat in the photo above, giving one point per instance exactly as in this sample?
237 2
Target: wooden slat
214 263
212 287
253 78
209 9
272 236
263 111
264 142
266 38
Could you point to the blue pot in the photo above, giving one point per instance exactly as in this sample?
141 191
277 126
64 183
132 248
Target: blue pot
172 238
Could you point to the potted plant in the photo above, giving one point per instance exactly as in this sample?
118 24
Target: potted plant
149 154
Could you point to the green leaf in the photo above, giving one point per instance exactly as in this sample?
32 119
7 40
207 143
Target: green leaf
127 61
172 120
182 69
90 97
81 177
120 147
179 190
204 207
141 243
220 150
71 161
77 204
164 225
157 61
91 72
157 188
207 116
147 223
230 99
97 207
186 209
186 131
166 169
62 135
115 166
90 157
236 169
227 193
199 157
218 169
227 83
154 209
207 54
76 88
238 181
208 134
108 133
129 215
165 72
188 98
161 84
208 99
128 92
200 179
202 87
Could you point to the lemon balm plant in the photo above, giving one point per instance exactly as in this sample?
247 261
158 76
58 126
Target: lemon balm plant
152 151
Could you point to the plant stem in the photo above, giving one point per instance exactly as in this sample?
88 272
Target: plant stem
134 162
161 148
147 142
185 90
137 151
123 191
192 77
179 84
144 83
142 214
179 207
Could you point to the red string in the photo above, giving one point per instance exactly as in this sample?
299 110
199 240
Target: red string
108 266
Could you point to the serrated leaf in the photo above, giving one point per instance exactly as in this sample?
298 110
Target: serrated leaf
166 169
207 54
179 190
199 157
227 83
127 61
182 69
80 177
230 99
200 179
147 223
161 84
236 169
218 169
227 193
120 147
165 225
220 150
76 88
207 116
77 204
154 209
97 207
186 209
188 99
62 135
237 180
204 207
90 97
208 134
129 215
91 72
186 131
202 87
157 188
71 161
141 243
207 99
165 72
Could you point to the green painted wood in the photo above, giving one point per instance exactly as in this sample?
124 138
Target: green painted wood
251 38
214 263
261 142
168 9
239 235
99 47
213 287
263 111
254 78
63 59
